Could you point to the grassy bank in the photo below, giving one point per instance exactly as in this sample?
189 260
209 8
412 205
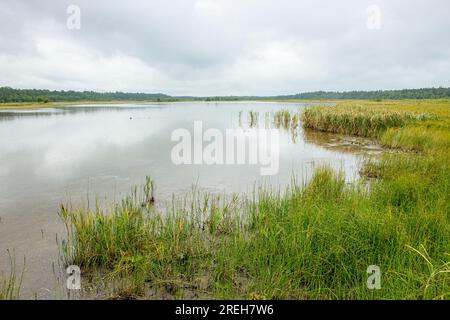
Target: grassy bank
306 242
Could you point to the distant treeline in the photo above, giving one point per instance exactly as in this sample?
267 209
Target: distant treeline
424 93
8 95
35 95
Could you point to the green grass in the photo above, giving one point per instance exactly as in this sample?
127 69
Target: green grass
283 119
359 120
10 284
288 121
311 241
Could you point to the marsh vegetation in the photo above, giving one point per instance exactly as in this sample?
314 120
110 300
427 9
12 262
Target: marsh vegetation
308 241
10 283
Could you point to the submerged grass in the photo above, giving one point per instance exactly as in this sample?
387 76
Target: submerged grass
308 242
288 121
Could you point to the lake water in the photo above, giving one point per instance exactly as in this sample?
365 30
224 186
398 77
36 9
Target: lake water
55 155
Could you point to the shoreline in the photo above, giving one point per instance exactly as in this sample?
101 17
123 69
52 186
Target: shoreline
36 105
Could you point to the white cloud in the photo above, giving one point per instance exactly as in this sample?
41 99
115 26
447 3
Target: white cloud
208 9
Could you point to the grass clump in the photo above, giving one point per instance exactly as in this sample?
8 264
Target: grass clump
317 243
10 284
287 120
358 120
145 249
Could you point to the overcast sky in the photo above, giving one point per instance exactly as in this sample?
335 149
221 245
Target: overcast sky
225 47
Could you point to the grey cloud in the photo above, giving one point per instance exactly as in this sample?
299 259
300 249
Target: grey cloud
224 46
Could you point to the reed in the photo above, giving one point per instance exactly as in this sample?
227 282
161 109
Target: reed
359 120
287 120
253 119
282 119
10 284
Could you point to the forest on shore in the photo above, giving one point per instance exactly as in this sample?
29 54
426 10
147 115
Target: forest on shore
11 95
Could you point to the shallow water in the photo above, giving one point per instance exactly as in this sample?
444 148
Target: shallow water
98 152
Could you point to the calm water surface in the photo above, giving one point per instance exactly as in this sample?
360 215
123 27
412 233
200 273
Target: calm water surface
99 152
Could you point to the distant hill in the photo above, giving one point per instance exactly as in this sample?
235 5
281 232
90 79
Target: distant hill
8 95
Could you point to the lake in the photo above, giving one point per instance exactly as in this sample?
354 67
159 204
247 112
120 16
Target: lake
97 153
